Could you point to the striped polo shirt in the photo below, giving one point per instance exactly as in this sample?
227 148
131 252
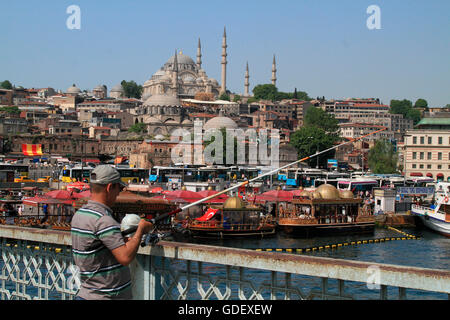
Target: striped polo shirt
94 234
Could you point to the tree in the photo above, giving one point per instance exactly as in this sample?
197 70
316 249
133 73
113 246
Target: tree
383 158
237 98
224 96
6 85
131 89
421 103
139 127
316 117
405 108
311 139
265 92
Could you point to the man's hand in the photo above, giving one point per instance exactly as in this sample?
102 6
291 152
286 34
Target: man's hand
145 226
126 253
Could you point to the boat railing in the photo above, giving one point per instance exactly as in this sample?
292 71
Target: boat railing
225 225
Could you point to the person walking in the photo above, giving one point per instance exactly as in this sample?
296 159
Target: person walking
99 249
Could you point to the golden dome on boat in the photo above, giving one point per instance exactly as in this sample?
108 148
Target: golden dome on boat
305 194
183 188
346 194
328 192
234 203
316 195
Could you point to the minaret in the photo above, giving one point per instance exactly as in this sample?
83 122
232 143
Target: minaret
247 83
274 71
223 88
175 75
199 55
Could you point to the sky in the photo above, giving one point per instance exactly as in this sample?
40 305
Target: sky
324 48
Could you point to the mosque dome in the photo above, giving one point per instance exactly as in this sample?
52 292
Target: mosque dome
181 59
99 88
186 121
159 137
117 88
162 100
220 122
73 89
234 203
328 191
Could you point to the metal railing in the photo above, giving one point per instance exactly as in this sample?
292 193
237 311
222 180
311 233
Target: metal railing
37 264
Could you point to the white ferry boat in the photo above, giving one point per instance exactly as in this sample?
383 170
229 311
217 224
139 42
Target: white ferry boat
436 216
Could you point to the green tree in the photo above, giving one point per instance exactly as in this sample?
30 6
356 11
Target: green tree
383 158
311 139
316 117
421 103
265 92
237 98
224 96
405 108
6 85
139 127
10 110
131 89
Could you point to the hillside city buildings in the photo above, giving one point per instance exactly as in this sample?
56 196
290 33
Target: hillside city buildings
85 124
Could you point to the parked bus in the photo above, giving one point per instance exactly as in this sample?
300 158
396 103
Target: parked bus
132 175
76 173
357 185
20 170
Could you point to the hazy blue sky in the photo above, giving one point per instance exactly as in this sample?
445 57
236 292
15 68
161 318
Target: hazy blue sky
322 47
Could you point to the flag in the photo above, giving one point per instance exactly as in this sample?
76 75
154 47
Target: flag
208 215
32 149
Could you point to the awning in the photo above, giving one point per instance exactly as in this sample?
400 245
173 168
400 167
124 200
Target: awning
208 215
430 175
32 149
440 175
416 174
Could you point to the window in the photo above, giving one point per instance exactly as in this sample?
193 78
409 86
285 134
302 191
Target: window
414 155
414 140
414 166
429 156
439 140
421 166
439 155
421 156
422 140
439 166
428 166
430 140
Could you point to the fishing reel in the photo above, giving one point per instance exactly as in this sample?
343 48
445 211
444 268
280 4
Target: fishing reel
130 224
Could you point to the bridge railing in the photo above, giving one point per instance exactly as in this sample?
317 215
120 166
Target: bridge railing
37 264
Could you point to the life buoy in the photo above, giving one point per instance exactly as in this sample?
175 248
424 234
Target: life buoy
446 199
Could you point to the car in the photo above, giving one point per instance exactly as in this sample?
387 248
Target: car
23 179
44 179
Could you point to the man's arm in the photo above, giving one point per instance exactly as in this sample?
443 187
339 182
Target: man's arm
126 253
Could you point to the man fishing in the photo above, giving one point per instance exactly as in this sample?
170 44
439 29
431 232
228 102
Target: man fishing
98 247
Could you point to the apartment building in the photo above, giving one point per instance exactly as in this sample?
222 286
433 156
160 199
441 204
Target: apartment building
427 149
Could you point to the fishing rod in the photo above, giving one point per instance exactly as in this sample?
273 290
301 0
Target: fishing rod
180 209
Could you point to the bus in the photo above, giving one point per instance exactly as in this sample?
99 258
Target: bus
20 170
76 173
132 175
357 185
418 181
128 175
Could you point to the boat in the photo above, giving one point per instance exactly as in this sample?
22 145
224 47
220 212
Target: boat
235 218
324 211
436 216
